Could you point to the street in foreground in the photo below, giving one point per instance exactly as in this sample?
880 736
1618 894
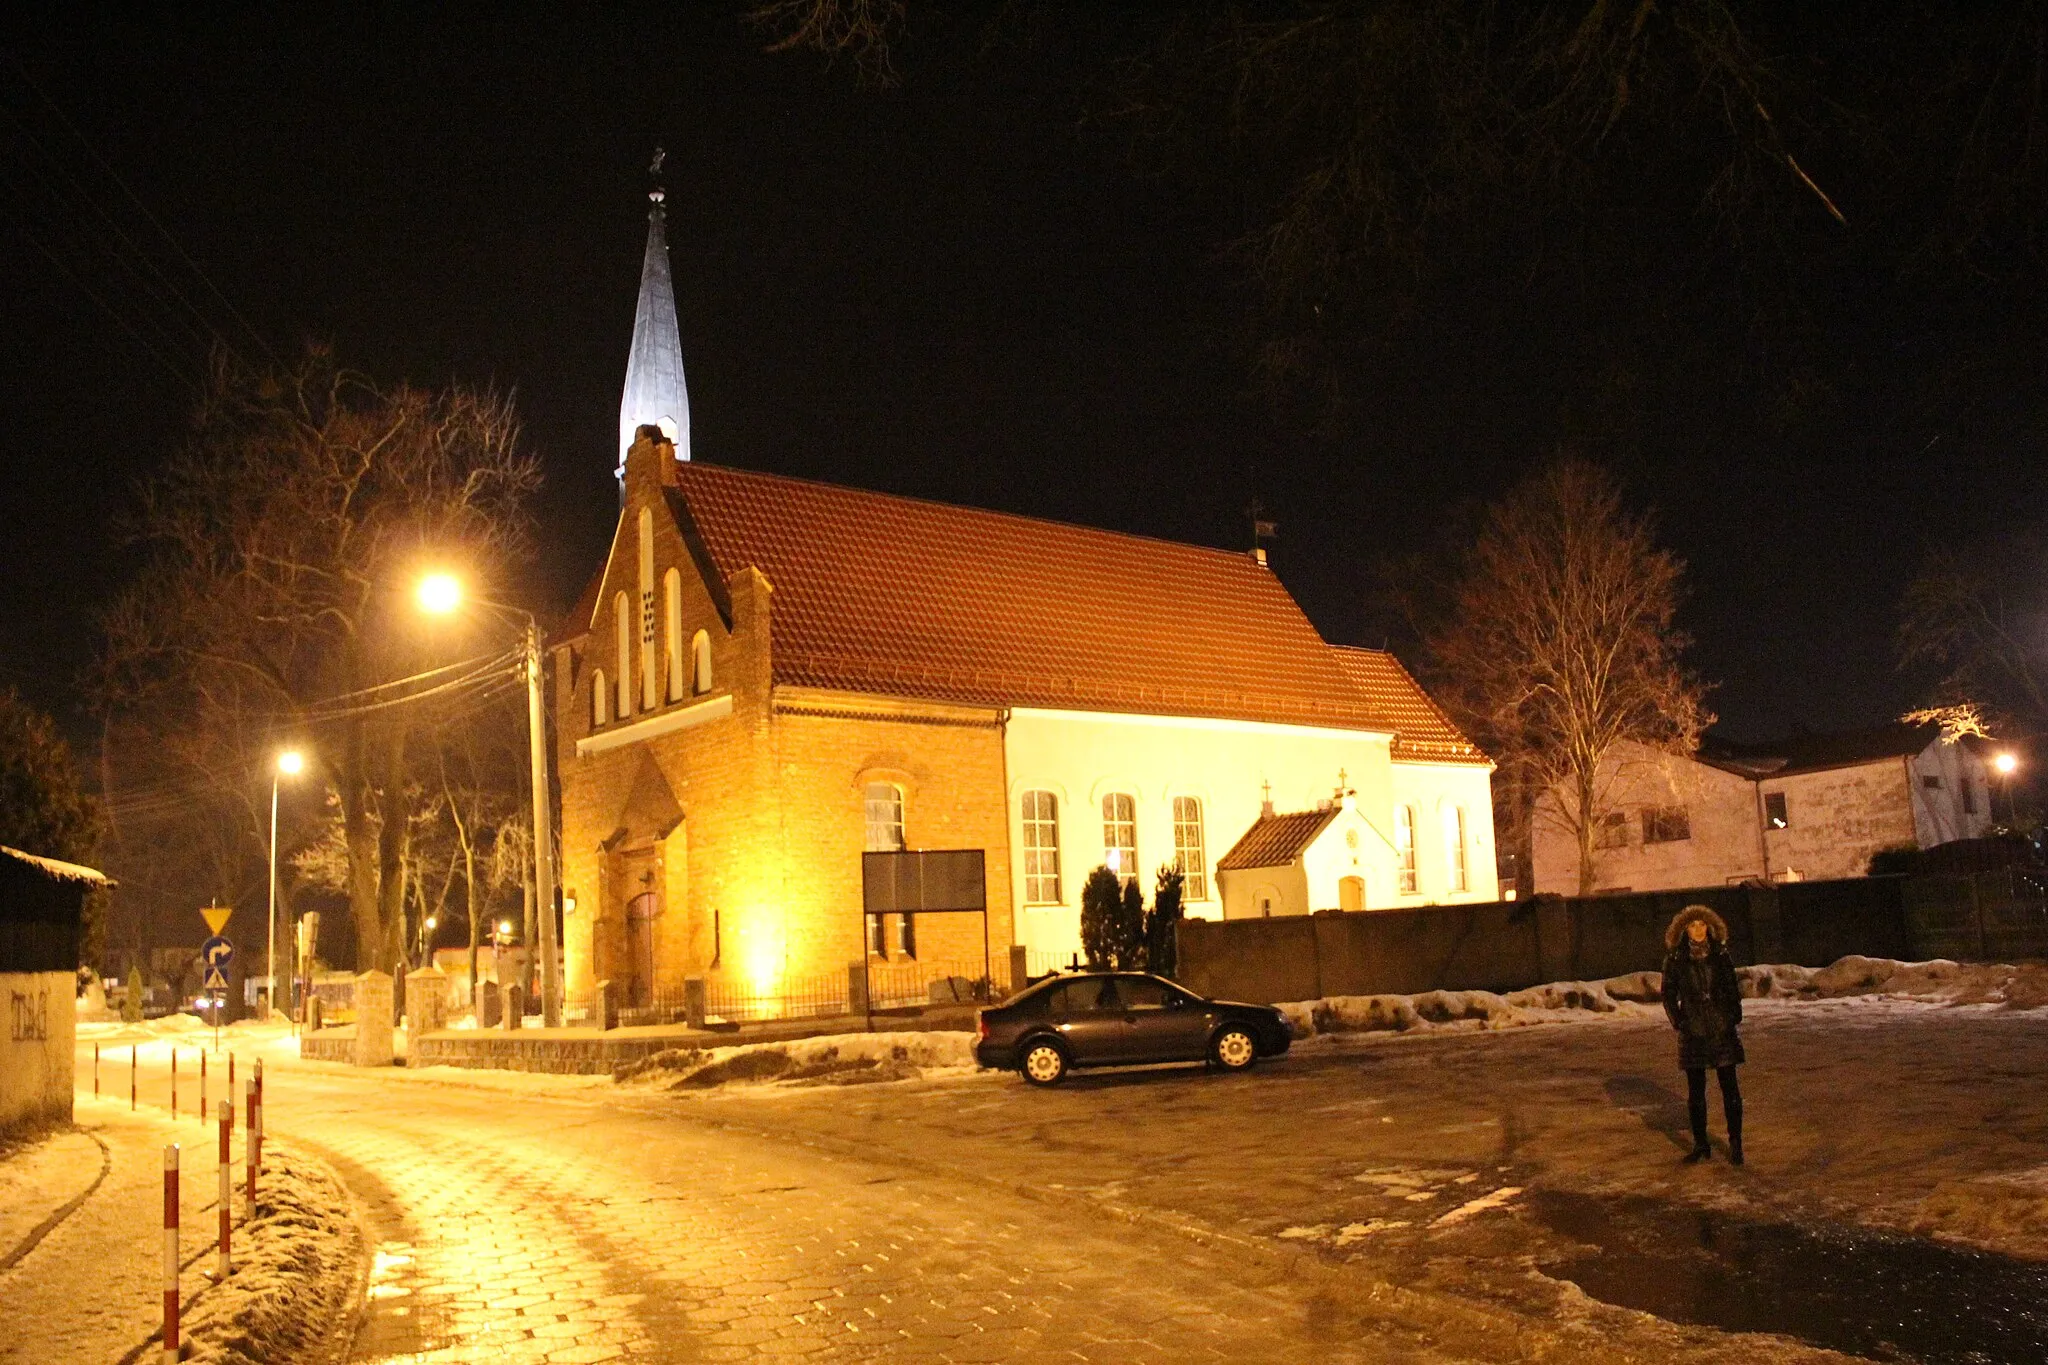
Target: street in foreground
1444 1197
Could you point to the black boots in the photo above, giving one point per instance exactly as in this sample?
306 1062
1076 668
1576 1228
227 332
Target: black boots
1735 1146
1700 1153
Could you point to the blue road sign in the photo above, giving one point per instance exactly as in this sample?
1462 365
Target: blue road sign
217 953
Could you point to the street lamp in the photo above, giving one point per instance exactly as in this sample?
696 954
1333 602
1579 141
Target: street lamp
290 763
440 594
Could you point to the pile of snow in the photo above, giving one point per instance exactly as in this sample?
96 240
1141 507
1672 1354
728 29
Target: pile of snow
296 1267
2007 1212
839 1059
1936 982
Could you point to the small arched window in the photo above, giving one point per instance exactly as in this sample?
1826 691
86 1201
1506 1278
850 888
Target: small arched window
1454 848
598 697
622 614
1120 835
700 663
884 808
1404 847
672 628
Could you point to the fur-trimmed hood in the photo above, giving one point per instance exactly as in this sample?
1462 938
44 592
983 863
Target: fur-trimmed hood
1674 933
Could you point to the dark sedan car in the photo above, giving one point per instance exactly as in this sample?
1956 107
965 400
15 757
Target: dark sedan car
1121 1019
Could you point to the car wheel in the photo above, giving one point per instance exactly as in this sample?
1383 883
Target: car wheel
1045 1063
1234 1049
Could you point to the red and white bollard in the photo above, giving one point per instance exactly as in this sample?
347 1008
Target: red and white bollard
171 1254
227 1187
202 1085
131 1078
252 1142
174 1082
95 1070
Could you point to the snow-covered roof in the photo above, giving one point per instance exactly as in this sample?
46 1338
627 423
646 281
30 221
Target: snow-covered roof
53 867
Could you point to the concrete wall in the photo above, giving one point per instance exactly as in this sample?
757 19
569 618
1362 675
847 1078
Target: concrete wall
1838 817
1502 946
36 1064
1720 807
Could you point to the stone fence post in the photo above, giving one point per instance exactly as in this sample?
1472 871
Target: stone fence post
373 1020
605 1007
693 1001
1020 967
426 1007
514 1013
856 988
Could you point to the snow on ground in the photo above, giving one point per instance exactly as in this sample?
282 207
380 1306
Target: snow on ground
1939 982
837 1059
37 1179
297 1269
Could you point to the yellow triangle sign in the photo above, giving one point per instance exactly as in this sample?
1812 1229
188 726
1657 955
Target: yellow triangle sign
216 917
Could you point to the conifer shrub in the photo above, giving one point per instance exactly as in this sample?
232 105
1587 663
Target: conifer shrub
1101 907
131 1000
1162 950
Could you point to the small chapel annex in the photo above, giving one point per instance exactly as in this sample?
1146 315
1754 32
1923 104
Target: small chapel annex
769 676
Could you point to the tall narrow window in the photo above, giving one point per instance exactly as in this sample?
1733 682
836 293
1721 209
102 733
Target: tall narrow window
599 698
650 693
1120 834
1188 853
672 631
1775 814
884 806
622 612
1041 848
1404 847
1454 849
700 664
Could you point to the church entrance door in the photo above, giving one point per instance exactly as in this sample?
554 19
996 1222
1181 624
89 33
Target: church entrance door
641 912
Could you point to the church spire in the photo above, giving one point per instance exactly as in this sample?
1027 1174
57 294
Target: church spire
654 372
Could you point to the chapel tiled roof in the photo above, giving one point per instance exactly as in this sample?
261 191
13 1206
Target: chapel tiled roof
893 595
1422 732
1276 840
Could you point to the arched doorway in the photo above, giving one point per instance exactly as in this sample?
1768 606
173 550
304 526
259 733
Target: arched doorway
1351 893
641 912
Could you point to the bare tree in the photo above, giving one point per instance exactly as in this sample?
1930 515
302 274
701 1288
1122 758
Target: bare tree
1559 645
275 602
1976 616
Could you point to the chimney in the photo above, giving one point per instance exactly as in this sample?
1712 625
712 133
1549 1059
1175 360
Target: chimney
1259 556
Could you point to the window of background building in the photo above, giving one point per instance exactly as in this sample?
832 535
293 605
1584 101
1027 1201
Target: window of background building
1120 834
1041 848
1774 811
598 697
1666 824
1931 782
1611 830
1188 853
1404 847
1454 848
1969 795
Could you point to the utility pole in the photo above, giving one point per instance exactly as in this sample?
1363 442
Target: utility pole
543 831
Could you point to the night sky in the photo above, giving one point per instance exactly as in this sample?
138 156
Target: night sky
962 288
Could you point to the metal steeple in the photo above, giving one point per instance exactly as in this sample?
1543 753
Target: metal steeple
654 372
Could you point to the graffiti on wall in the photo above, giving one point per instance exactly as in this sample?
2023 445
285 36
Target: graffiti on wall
28 1016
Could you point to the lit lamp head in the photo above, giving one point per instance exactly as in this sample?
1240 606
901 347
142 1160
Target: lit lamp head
291 763
2005 763
439 594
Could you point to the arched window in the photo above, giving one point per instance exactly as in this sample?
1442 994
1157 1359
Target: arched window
650 686
884 806
622 612
1454 848
700 663
1404 847
1041 843
1120 835
598 699
672 627
1188 853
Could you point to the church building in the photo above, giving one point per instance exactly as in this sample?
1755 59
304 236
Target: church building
769 677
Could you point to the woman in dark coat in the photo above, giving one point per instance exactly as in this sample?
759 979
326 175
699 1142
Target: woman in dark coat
1704 1003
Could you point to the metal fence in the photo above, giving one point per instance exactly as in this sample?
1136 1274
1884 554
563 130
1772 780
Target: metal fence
784 997
918 983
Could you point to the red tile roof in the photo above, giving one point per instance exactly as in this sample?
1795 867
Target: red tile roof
892 595
1276 840
1422 732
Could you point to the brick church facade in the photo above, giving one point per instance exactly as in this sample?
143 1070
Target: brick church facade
770 676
